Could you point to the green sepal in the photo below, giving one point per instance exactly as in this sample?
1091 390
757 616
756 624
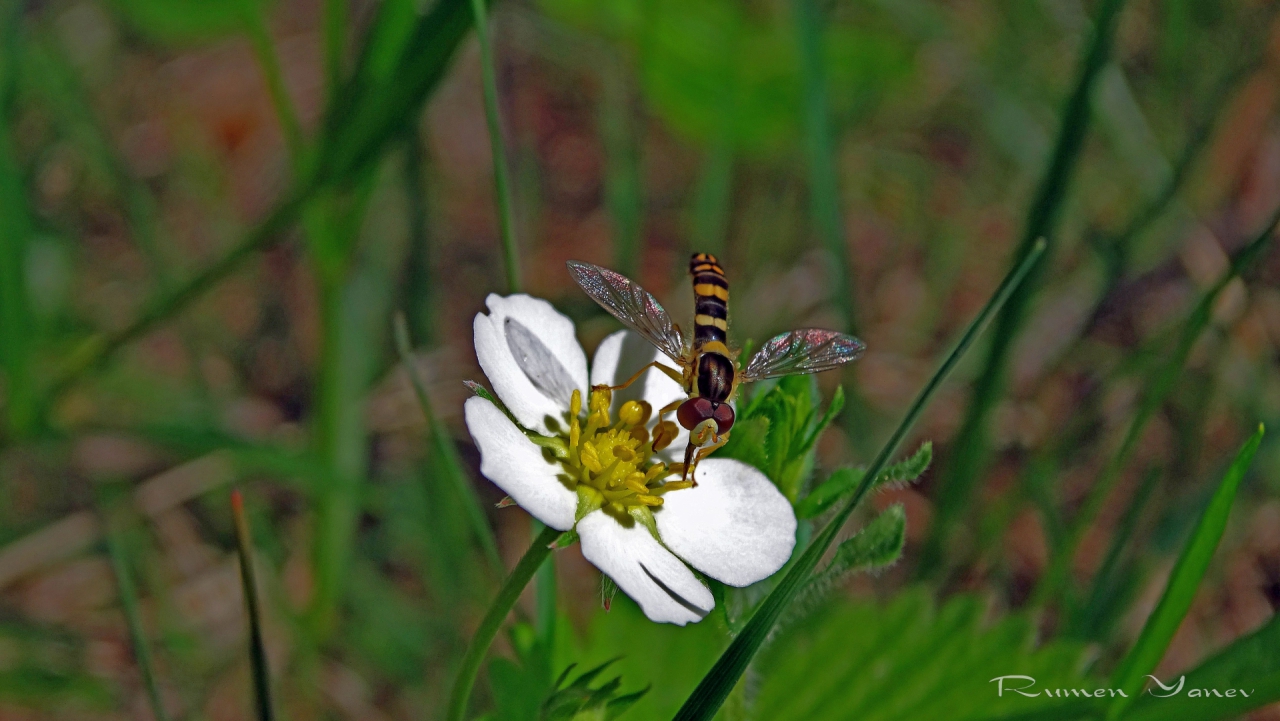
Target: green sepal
484 393
566 539
644 517
589 499
557 446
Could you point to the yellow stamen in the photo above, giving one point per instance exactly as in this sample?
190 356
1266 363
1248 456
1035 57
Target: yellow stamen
664 434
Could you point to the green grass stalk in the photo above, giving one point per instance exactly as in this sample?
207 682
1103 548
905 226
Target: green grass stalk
715 687
253 609
454 471
1185 578
820 152
971 445
498 146
492 621
1158 387
133 615
418 295
16 342
622 170
713 198
1083 623
269 62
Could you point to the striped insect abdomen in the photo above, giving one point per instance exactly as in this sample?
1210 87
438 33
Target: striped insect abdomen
710 325
711 304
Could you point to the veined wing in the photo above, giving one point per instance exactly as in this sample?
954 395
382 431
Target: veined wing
631 304
809 350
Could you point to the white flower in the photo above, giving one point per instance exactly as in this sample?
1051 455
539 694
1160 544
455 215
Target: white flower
637 522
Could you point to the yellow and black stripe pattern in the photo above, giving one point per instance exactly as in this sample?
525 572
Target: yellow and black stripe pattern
711 309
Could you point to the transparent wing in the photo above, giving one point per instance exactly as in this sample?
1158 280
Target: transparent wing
631 304
809 350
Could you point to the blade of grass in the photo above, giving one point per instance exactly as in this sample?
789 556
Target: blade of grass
1084 621
820 152
498 147
359 127
622 169
713 198
711 692
132 612
448 453
15 325
249 582
956 485
336 21
58 83
1183 582
373 109
1251 663
493 618
1158 387
418 294
102 346
264 50
347 359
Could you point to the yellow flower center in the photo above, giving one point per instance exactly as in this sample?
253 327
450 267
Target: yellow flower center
610 463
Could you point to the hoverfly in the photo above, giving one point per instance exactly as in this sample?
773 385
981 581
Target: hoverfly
708 373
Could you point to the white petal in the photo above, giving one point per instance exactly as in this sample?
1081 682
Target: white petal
529 403
619 357
735 526
517 466
663 586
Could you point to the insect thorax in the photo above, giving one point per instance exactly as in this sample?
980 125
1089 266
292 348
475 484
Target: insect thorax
715 377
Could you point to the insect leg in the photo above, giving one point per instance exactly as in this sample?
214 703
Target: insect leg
706 451
674 375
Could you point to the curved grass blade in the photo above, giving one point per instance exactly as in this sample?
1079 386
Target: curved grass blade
824 191
1183 581
257 652
498 148
362 122
714 688
453 468
1251 664
956 486
1159 386
132 612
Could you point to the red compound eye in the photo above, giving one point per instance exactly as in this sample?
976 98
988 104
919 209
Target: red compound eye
694 411
724 418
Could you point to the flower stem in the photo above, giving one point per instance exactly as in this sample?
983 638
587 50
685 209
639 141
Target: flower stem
493 619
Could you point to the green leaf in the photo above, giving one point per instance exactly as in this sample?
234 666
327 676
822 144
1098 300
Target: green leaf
846 479
578 701
878 544
668 658
906 661
1183 581
747 443
1251 664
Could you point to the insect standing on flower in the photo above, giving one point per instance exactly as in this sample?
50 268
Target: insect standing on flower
708 372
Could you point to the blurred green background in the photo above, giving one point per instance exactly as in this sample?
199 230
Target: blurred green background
212 210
